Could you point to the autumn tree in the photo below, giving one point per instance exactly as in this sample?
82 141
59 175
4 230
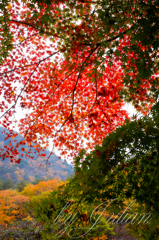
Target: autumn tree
12 207
42 186
15 216
73 64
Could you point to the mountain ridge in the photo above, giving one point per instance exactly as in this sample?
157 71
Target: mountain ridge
31 167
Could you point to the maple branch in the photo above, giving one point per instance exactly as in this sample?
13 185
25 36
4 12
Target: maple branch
25 23
100 105
96 88
92 51
93 103
42 112
19 68
71 115
30 64
25 39
92 106
48 102
20 92
30 25
27 83
23 90
114 38
104 113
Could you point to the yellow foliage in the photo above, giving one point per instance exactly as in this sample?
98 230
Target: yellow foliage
43 186
9 6
11 206
12 203
28 218
22 39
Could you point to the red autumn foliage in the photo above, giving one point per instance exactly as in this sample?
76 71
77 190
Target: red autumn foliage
71 100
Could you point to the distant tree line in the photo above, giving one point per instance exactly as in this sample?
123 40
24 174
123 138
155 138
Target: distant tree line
11 184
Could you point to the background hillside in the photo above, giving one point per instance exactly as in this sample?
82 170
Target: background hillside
30 168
